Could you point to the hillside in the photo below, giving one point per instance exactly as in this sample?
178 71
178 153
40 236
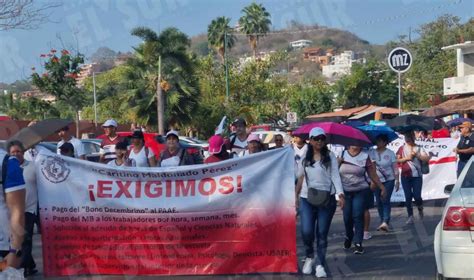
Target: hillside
323 37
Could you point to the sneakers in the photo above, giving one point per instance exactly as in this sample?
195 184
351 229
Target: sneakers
308 266
420 212
358 249
367 235
347 243
409 221
383 227
321 272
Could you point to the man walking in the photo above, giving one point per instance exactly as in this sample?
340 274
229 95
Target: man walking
465 148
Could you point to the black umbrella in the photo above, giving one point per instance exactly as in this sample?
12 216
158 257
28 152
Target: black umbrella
411 122
36 133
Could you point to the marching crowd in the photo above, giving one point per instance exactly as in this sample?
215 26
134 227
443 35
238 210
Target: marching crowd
352 178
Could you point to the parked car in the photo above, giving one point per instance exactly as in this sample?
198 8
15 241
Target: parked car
454 235
91 149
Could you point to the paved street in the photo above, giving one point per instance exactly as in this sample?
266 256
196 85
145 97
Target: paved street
404 253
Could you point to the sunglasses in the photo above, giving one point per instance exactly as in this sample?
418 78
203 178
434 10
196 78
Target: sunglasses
318 138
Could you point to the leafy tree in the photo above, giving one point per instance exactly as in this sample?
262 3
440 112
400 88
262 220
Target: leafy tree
219 32
313 98
371 83
178 80
255 23
59 80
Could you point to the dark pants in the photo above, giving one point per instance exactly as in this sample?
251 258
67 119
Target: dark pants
461 165
316 219
353 212
27 260
383 205
412 189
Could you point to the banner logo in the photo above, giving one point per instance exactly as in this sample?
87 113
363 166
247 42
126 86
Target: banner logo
55 169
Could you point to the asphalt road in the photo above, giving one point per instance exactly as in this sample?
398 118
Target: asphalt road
404 253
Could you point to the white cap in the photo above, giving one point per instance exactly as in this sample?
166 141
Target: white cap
316 131
172 132
110 123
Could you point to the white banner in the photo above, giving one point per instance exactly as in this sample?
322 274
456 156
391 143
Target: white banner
442 167
200 219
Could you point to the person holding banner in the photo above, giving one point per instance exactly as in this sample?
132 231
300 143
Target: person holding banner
387 170
217 150
12 211
357 171
411 156
18 151
238 142
254 145
141 154
465 148
121 151
107 146
174 154
318 185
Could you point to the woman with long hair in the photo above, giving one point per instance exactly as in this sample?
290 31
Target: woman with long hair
317 171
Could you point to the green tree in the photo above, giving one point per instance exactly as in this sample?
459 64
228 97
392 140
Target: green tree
219 32
312 98
60 80
178 79
255 23
371 83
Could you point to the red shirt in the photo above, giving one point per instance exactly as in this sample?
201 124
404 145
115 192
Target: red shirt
108 147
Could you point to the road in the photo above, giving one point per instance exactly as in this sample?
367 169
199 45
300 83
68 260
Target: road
404 253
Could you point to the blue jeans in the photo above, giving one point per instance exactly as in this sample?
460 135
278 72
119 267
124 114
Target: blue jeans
461 165
353 212
412 189
316 219
383 205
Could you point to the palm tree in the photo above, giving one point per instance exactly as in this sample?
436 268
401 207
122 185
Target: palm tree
178 79
255 23
217 32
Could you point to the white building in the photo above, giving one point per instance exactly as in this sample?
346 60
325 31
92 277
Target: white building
463 83
300 44
341 65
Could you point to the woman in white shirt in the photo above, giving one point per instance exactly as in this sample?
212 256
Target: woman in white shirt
387 170
143 156
318 170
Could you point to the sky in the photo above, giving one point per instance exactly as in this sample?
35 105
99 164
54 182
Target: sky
86 25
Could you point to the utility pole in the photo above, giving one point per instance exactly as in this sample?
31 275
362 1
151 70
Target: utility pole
95 100
160 107
226 68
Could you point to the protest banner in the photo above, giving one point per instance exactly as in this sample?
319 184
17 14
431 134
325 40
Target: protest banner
232 217
442 167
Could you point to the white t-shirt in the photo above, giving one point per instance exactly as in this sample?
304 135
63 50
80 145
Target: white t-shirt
319 178
300 154
238 145
31 154
78 149
114 163
140 158
31 189
384 164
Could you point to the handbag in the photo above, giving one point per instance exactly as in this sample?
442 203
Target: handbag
425 167
317 198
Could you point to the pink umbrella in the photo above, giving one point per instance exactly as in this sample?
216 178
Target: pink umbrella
336 133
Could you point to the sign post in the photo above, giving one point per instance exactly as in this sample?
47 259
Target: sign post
291 117
400 60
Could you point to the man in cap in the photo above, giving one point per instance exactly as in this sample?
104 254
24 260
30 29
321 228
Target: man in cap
238 141
465 148
107 146
66 137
